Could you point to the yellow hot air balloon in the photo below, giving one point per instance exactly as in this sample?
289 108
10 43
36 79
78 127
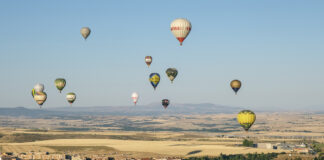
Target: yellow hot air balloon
246 118
33 92
154 79
236 85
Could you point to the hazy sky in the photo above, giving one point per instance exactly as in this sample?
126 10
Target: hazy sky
276 48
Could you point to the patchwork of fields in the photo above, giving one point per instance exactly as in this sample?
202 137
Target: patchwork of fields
197 135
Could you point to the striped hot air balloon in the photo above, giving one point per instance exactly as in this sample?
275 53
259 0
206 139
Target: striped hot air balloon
180 28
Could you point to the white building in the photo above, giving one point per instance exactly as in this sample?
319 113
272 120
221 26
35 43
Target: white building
265 145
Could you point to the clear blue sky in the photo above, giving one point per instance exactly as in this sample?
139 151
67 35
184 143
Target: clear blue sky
276 48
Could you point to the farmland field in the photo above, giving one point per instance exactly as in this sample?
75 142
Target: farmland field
196 135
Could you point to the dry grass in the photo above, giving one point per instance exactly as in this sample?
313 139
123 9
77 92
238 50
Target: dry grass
82 149
25 148
173 148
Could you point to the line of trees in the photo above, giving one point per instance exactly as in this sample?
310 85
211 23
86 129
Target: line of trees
249 156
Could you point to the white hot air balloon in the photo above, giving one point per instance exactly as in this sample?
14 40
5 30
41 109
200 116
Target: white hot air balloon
85 32
70 97
180 28
135 97
39 87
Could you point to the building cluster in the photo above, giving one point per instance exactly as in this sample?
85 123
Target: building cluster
56 156
297 148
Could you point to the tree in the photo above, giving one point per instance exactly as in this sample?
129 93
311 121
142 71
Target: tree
247 143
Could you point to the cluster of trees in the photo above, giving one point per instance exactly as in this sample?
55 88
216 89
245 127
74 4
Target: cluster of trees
249 156
320 157
317 147
247 143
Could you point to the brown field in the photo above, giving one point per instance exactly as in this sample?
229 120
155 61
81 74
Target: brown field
190 147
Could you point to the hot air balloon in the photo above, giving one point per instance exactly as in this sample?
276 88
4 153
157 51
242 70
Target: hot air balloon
154 79
60 83
85 32
148 60
70 97
39 87
246 119
33 92
165 103
180 28
40 98
236 85
171 73
135 97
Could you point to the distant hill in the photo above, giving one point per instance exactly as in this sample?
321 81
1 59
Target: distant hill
140 110
152 109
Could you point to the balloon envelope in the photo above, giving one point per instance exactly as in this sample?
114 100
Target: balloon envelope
33 92
85 32
236 85
171 73
165 103
60 83
39 87
180 28
134 97
40 98
246 118
70 97
154 79
148 60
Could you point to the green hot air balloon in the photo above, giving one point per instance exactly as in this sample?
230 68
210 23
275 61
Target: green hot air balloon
60 84
171 73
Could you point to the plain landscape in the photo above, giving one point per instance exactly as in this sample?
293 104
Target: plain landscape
155 132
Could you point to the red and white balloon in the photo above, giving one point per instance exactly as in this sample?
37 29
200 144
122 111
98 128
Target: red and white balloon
180 28
135 97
